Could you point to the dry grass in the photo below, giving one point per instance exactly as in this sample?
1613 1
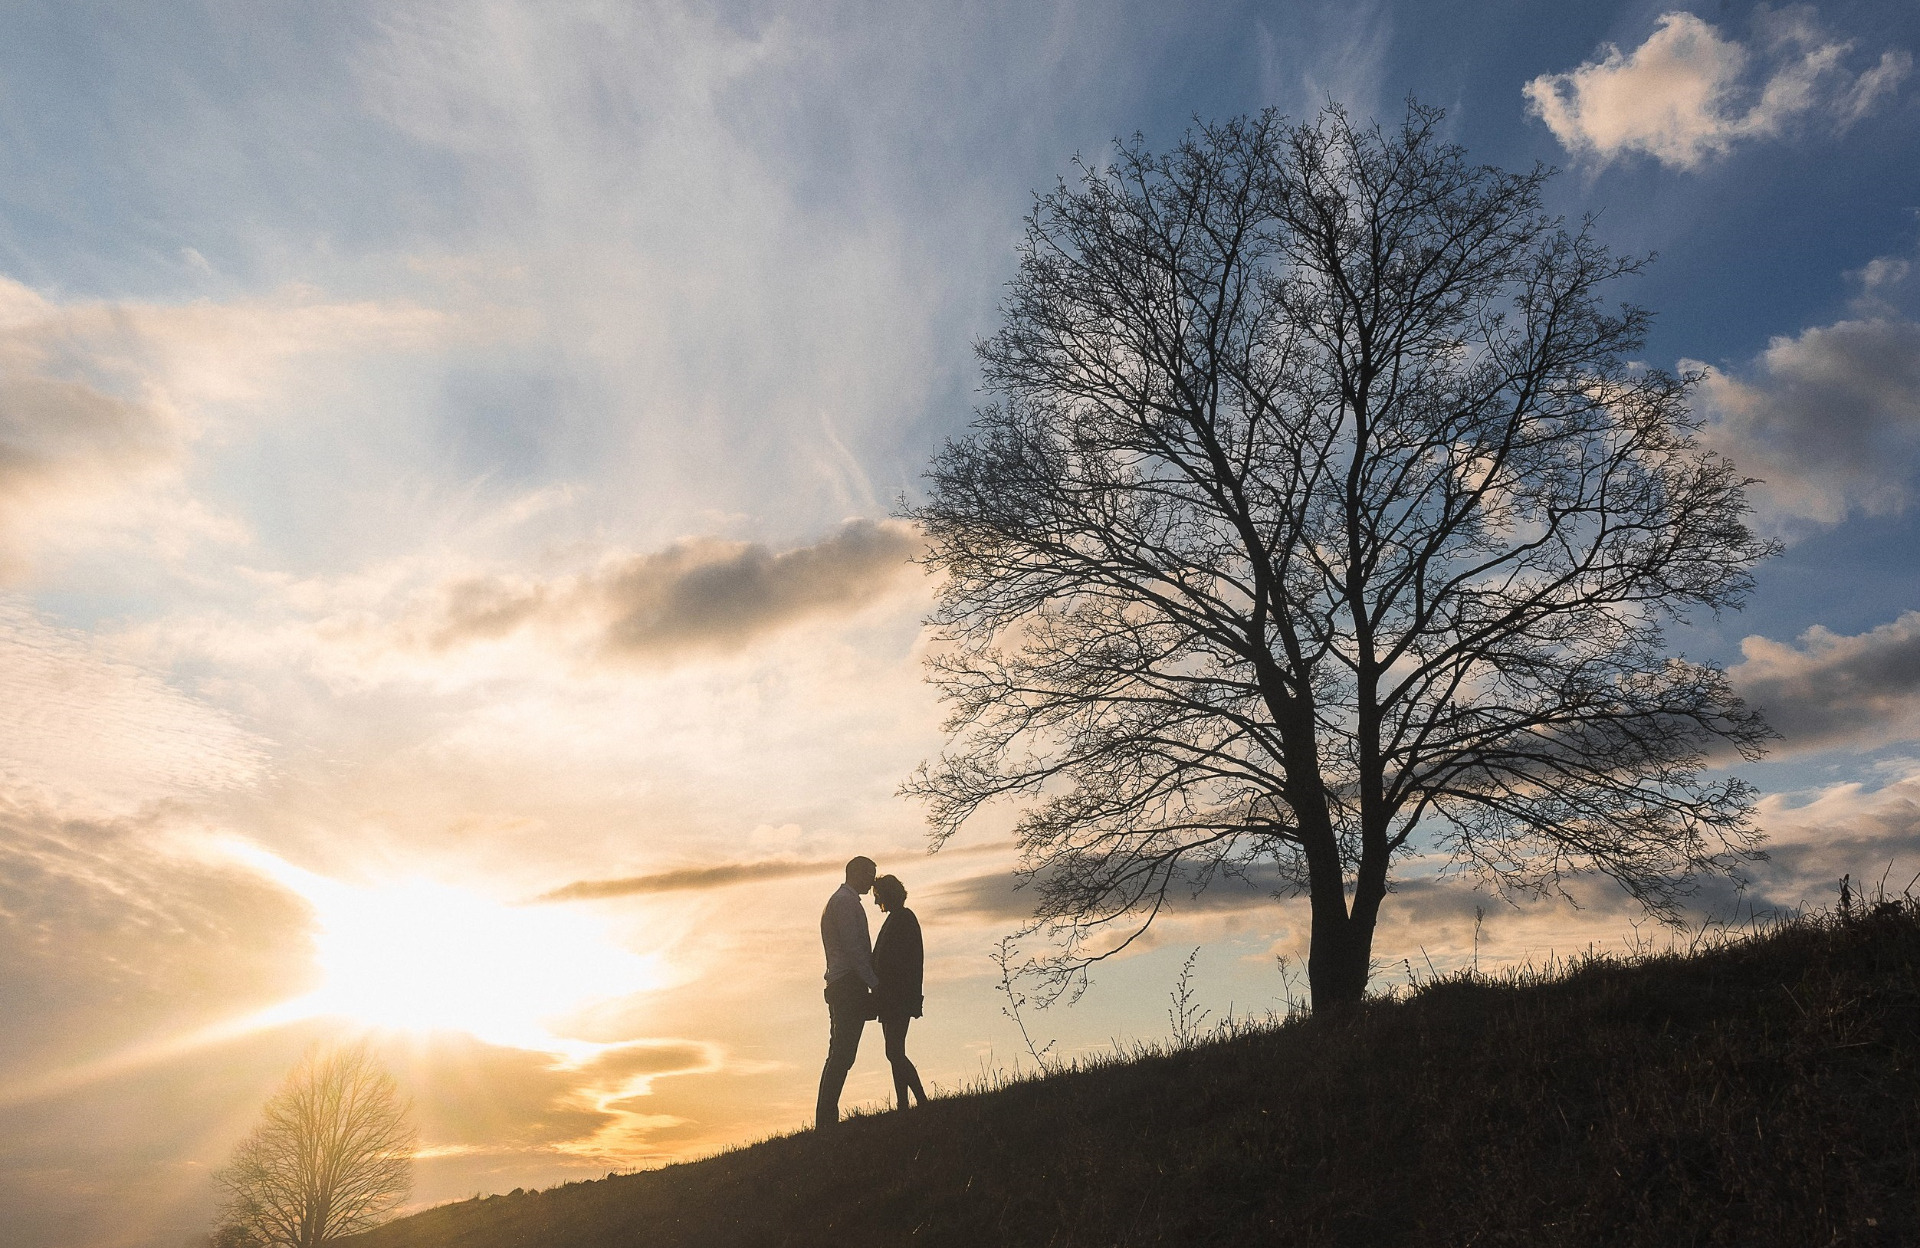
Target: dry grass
1746 1089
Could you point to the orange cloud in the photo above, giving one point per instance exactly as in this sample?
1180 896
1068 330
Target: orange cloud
1688 93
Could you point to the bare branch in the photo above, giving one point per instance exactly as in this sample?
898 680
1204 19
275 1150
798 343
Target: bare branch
332 1156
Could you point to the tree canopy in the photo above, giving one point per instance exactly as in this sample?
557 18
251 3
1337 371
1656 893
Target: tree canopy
1322 516
331 1156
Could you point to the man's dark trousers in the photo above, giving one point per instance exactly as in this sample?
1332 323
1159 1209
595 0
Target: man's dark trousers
847 1012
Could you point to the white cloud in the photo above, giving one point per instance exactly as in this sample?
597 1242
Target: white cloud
1862 829
1882 280
445 622
1835 690
620 708
67 442
101 401
85 734
1689 94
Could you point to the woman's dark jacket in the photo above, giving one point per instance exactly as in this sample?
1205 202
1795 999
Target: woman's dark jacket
898 959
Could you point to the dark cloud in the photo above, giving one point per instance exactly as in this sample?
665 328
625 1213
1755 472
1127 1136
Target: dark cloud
480 610
1811 841
996 896
1417 907
1881 850
1424 899
52 429
689 879
723 594
1829 419
701 594
1831 690
992 897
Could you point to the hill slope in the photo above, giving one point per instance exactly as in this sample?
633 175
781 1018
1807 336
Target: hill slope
1765 1092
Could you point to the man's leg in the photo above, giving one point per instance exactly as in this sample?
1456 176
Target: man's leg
847 1019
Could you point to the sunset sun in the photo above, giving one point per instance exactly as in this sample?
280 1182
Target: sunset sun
423 956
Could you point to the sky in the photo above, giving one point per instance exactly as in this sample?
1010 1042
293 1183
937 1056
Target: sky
448 589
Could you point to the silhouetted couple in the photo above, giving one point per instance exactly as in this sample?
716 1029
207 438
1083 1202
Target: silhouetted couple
869 980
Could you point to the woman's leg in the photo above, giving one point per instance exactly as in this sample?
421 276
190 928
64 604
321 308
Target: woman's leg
913 1072
905 1076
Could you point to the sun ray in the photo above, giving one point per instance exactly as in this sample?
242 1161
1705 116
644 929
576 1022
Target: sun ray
419 955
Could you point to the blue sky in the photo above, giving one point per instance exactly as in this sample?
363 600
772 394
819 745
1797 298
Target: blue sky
377 379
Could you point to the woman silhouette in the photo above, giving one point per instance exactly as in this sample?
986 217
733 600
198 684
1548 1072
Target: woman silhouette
898 958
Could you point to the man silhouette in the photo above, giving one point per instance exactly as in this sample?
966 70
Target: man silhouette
850 980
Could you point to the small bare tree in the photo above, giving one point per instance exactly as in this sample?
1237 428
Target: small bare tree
1323 517
333 1155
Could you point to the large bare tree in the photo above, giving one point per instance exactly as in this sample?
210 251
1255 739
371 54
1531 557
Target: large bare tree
1322 516
332 1155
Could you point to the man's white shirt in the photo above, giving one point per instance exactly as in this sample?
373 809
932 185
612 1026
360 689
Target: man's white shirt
843 930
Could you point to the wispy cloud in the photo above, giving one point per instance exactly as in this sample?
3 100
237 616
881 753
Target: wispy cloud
1689 94
86 734
979 895
648 1059
691 879
583 615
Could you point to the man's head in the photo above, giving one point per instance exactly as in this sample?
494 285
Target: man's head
860 873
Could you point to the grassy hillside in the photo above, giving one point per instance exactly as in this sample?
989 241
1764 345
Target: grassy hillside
1763 1092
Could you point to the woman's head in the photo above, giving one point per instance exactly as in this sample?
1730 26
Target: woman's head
889 892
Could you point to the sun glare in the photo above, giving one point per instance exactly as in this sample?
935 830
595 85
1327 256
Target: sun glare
425 956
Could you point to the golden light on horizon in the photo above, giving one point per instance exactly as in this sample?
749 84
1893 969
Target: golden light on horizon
419 955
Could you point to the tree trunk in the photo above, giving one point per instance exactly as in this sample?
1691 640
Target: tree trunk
1339 957
1341 948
